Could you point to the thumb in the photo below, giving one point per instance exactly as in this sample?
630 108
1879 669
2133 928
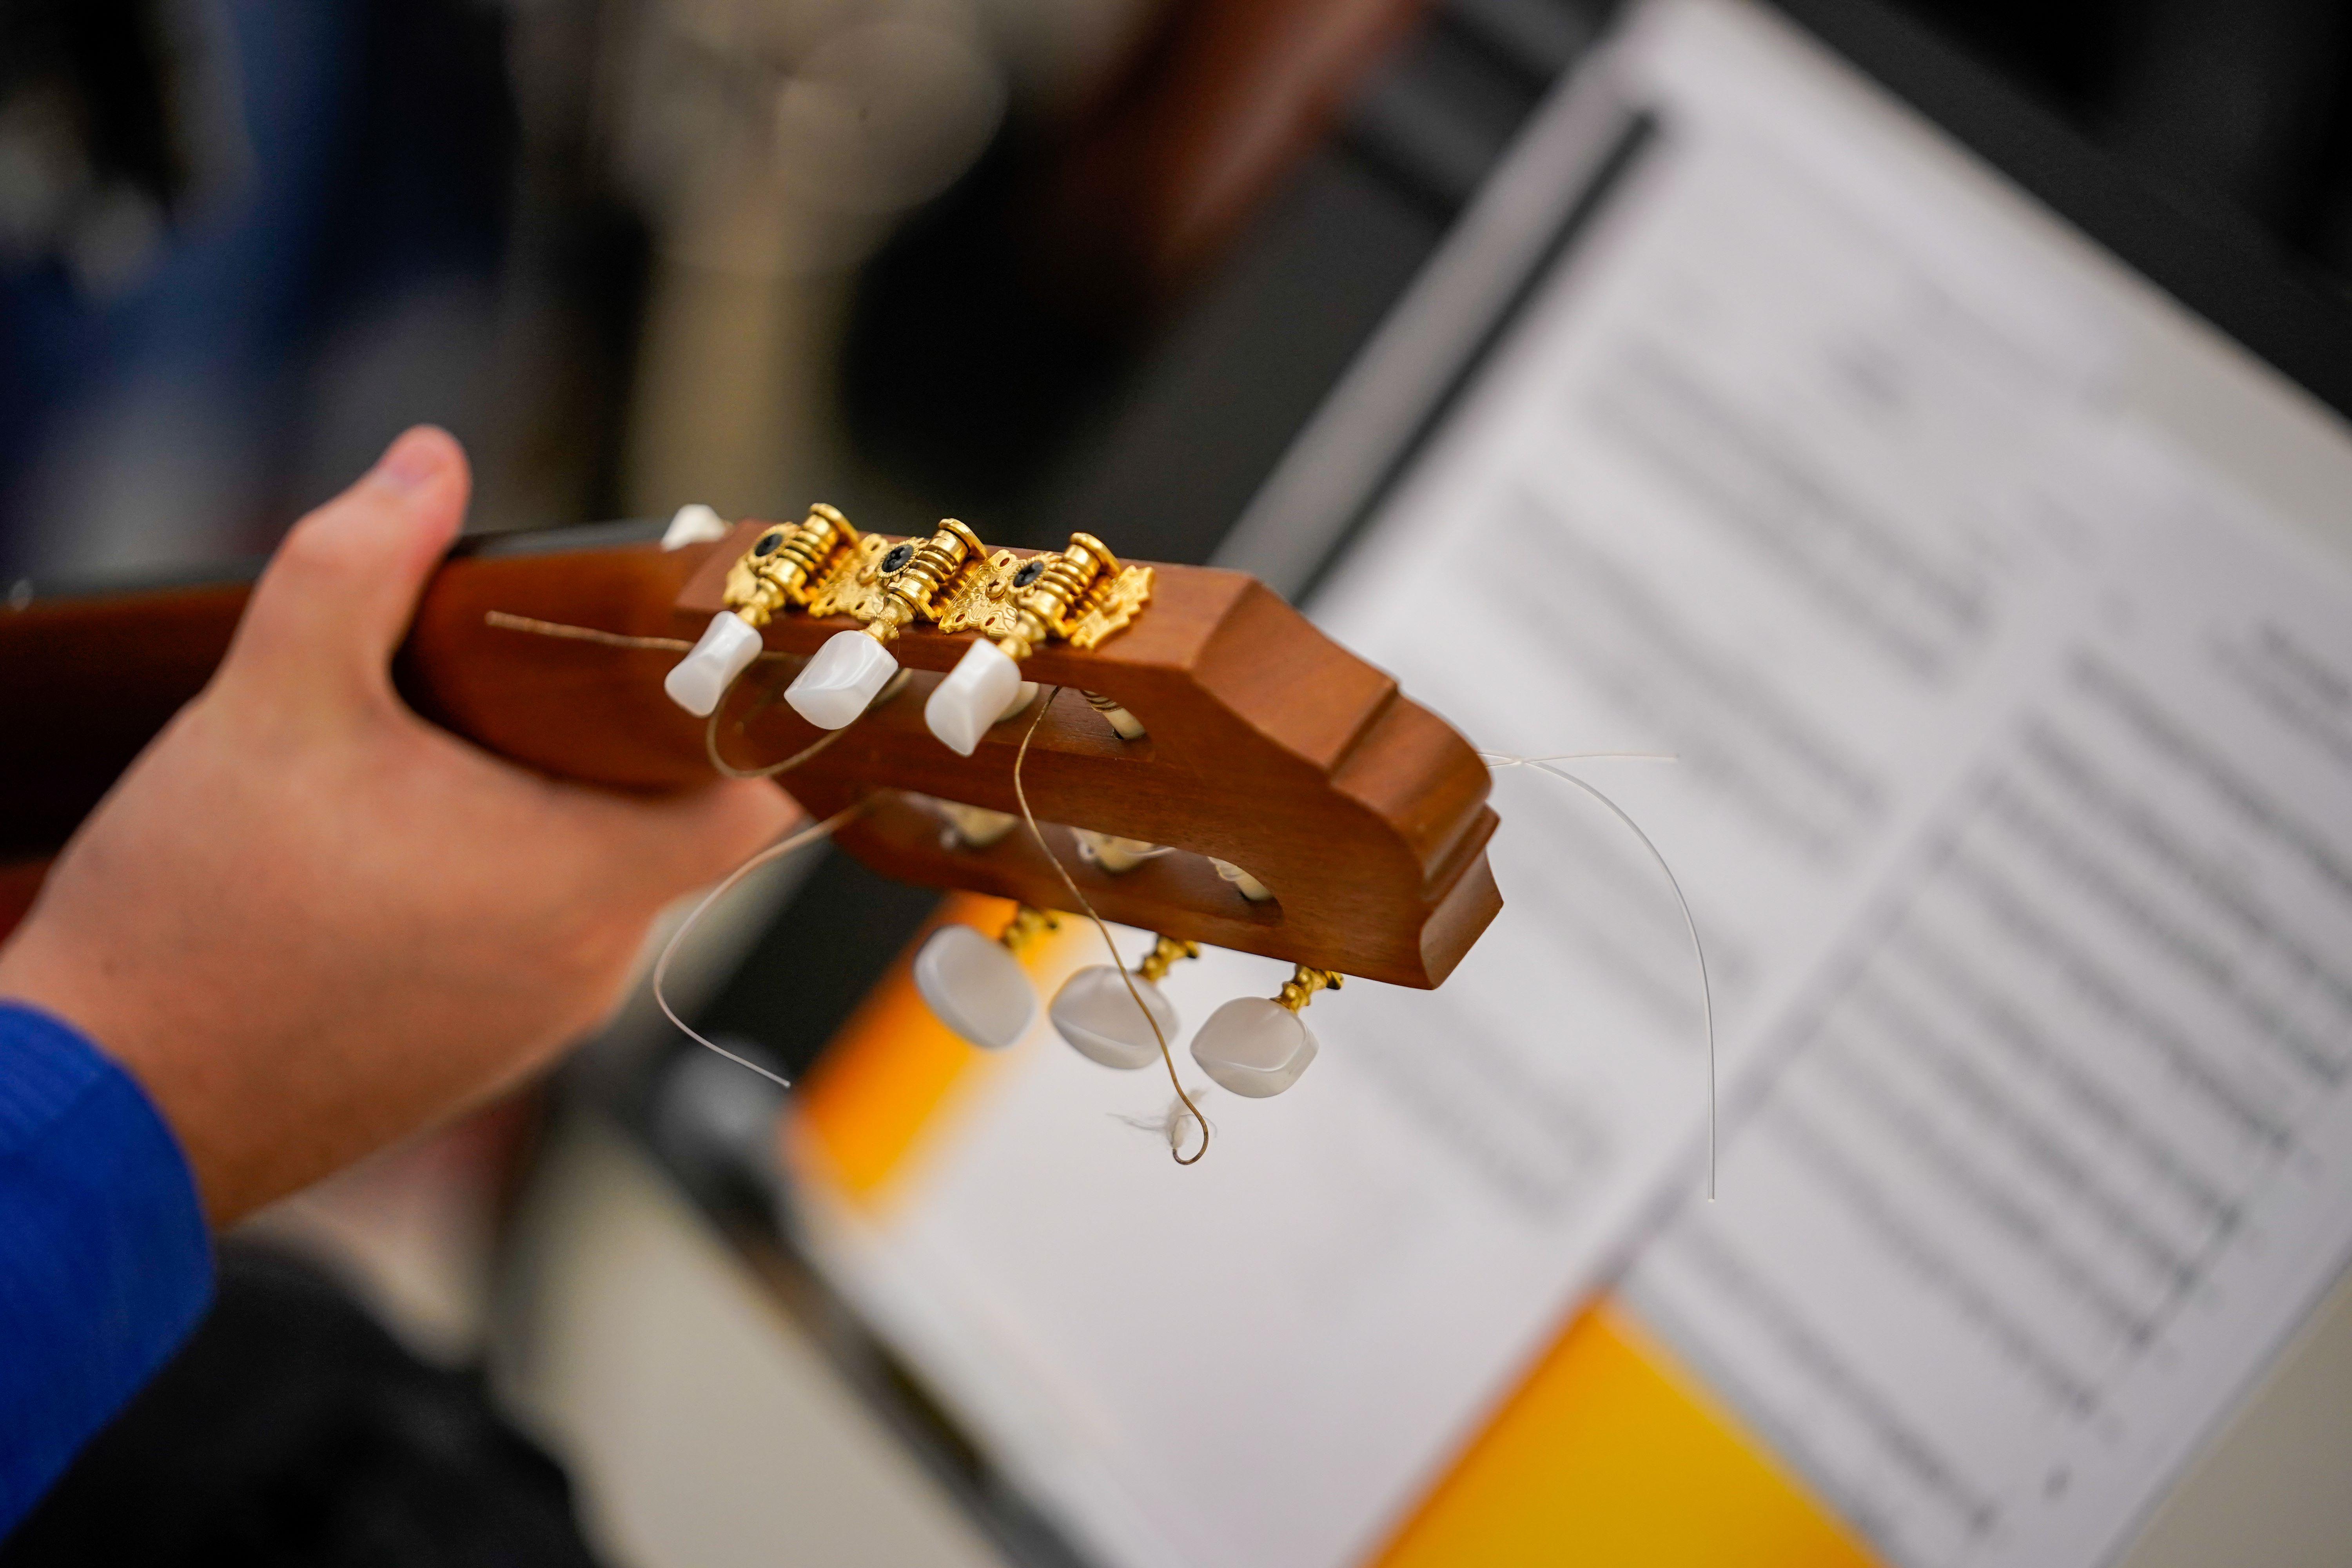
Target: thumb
337 597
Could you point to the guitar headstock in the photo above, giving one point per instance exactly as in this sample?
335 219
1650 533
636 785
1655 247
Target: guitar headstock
1262 744
1202 764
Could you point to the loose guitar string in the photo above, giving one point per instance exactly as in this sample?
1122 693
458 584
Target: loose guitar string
1500 759
775 851
506 621
1167 1059
807 835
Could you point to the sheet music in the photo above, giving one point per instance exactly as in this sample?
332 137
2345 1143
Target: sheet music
1810 471
2064 1149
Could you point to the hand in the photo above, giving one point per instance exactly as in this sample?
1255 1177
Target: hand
308 922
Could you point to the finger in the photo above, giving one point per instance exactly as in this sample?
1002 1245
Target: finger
338 596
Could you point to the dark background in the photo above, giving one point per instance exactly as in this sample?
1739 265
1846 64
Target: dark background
242 244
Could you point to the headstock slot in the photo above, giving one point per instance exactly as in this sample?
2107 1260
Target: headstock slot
906 834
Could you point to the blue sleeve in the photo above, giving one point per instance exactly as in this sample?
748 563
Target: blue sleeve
105 1263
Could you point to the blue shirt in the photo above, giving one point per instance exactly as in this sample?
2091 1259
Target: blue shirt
105 1263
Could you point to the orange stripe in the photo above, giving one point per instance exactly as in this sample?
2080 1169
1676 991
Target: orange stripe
1611 1453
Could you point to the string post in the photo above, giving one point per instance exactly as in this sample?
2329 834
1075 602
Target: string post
1300 988
1166 952
1127 725
1026 926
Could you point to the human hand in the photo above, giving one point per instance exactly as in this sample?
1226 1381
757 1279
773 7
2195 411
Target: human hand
308 920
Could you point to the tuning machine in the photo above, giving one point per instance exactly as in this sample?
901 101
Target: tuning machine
898 586
1257 1046
1082 596
784 568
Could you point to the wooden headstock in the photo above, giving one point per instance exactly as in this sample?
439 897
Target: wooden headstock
1268 746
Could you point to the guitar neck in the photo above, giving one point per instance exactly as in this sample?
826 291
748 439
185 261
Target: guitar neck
90 676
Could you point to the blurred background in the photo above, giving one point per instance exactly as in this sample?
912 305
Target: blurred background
1034 263
918 256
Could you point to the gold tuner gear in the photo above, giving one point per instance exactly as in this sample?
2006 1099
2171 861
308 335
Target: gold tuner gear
788 562
888 587
1082 596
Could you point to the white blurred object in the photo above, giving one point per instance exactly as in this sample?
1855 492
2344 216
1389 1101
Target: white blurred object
886 112
698 681
1254 1046
693 523
1095 1013
839 682
975 987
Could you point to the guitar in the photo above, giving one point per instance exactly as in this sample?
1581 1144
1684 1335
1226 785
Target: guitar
1279 796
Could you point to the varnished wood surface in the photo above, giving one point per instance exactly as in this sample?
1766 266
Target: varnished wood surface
1270 746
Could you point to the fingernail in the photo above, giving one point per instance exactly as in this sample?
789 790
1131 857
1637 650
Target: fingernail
409 464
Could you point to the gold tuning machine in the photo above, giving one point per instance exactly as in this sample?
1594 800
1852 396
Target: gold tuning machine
1082 595
784 567
1304 981
1028 924
1166 952
888 587
789 563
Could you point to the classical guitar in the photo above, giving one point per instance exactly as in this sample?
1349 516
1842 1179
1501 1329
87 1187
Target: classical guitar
1199 761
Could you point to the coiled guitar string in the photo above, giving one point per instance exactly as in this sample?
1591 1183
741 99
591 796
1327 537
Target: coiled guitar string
775 851
1167 1058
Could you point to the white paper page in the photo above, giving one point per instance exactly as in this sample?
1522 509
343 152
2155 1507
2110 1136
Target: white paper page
2064 1149
1803 474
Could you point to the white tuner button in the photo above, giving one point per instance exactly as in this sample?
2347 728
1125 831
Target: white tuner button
1254 1046
984 687
841 680
693 523
1094 1012
975 987
698 681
